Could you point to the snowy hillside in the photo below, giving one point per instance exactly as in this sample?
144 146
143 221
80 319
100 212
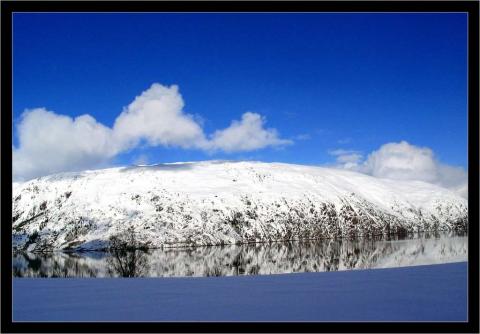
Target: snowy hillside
207 203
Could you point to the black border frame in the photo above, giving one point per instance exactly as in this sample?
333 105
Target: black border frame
470 7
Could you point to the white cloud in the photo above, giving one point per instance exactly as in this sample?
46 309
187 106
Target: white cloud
340 152
403 161
347 159
50 143
247 134
157 116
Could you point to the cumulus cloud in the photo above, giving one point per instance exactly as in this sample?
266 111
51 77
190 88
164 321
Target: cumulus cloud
50 142
248 134
403 161
157 116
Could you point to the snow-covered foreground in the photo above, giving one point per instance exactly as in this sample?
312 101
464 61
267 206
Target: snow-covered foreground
421 293
211 203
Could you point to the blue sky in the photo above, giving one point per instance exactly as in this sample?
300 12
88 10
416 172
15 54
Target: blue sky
324 81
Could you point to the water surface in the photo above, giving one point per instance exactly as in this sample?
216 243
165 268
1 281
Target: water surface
251 259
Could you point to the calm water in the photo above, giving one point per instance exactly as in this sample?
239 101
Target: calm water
250 259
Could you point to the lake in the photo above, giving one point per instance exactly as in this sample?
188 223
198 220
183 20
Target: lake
251 259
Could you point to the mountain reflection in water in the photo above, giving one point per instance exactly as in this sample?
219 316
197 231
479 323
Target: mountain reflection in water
251 259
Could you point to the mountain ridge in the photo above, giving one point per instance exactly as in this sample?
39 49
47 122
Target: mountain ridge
222 202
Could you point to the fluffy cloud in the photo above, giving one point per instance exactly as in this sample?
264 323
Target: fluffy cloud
157 116
247 134
50 143
403 161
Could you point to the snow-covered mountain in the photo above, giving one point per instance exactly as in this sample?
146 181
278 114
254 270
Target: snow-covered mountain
215 202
